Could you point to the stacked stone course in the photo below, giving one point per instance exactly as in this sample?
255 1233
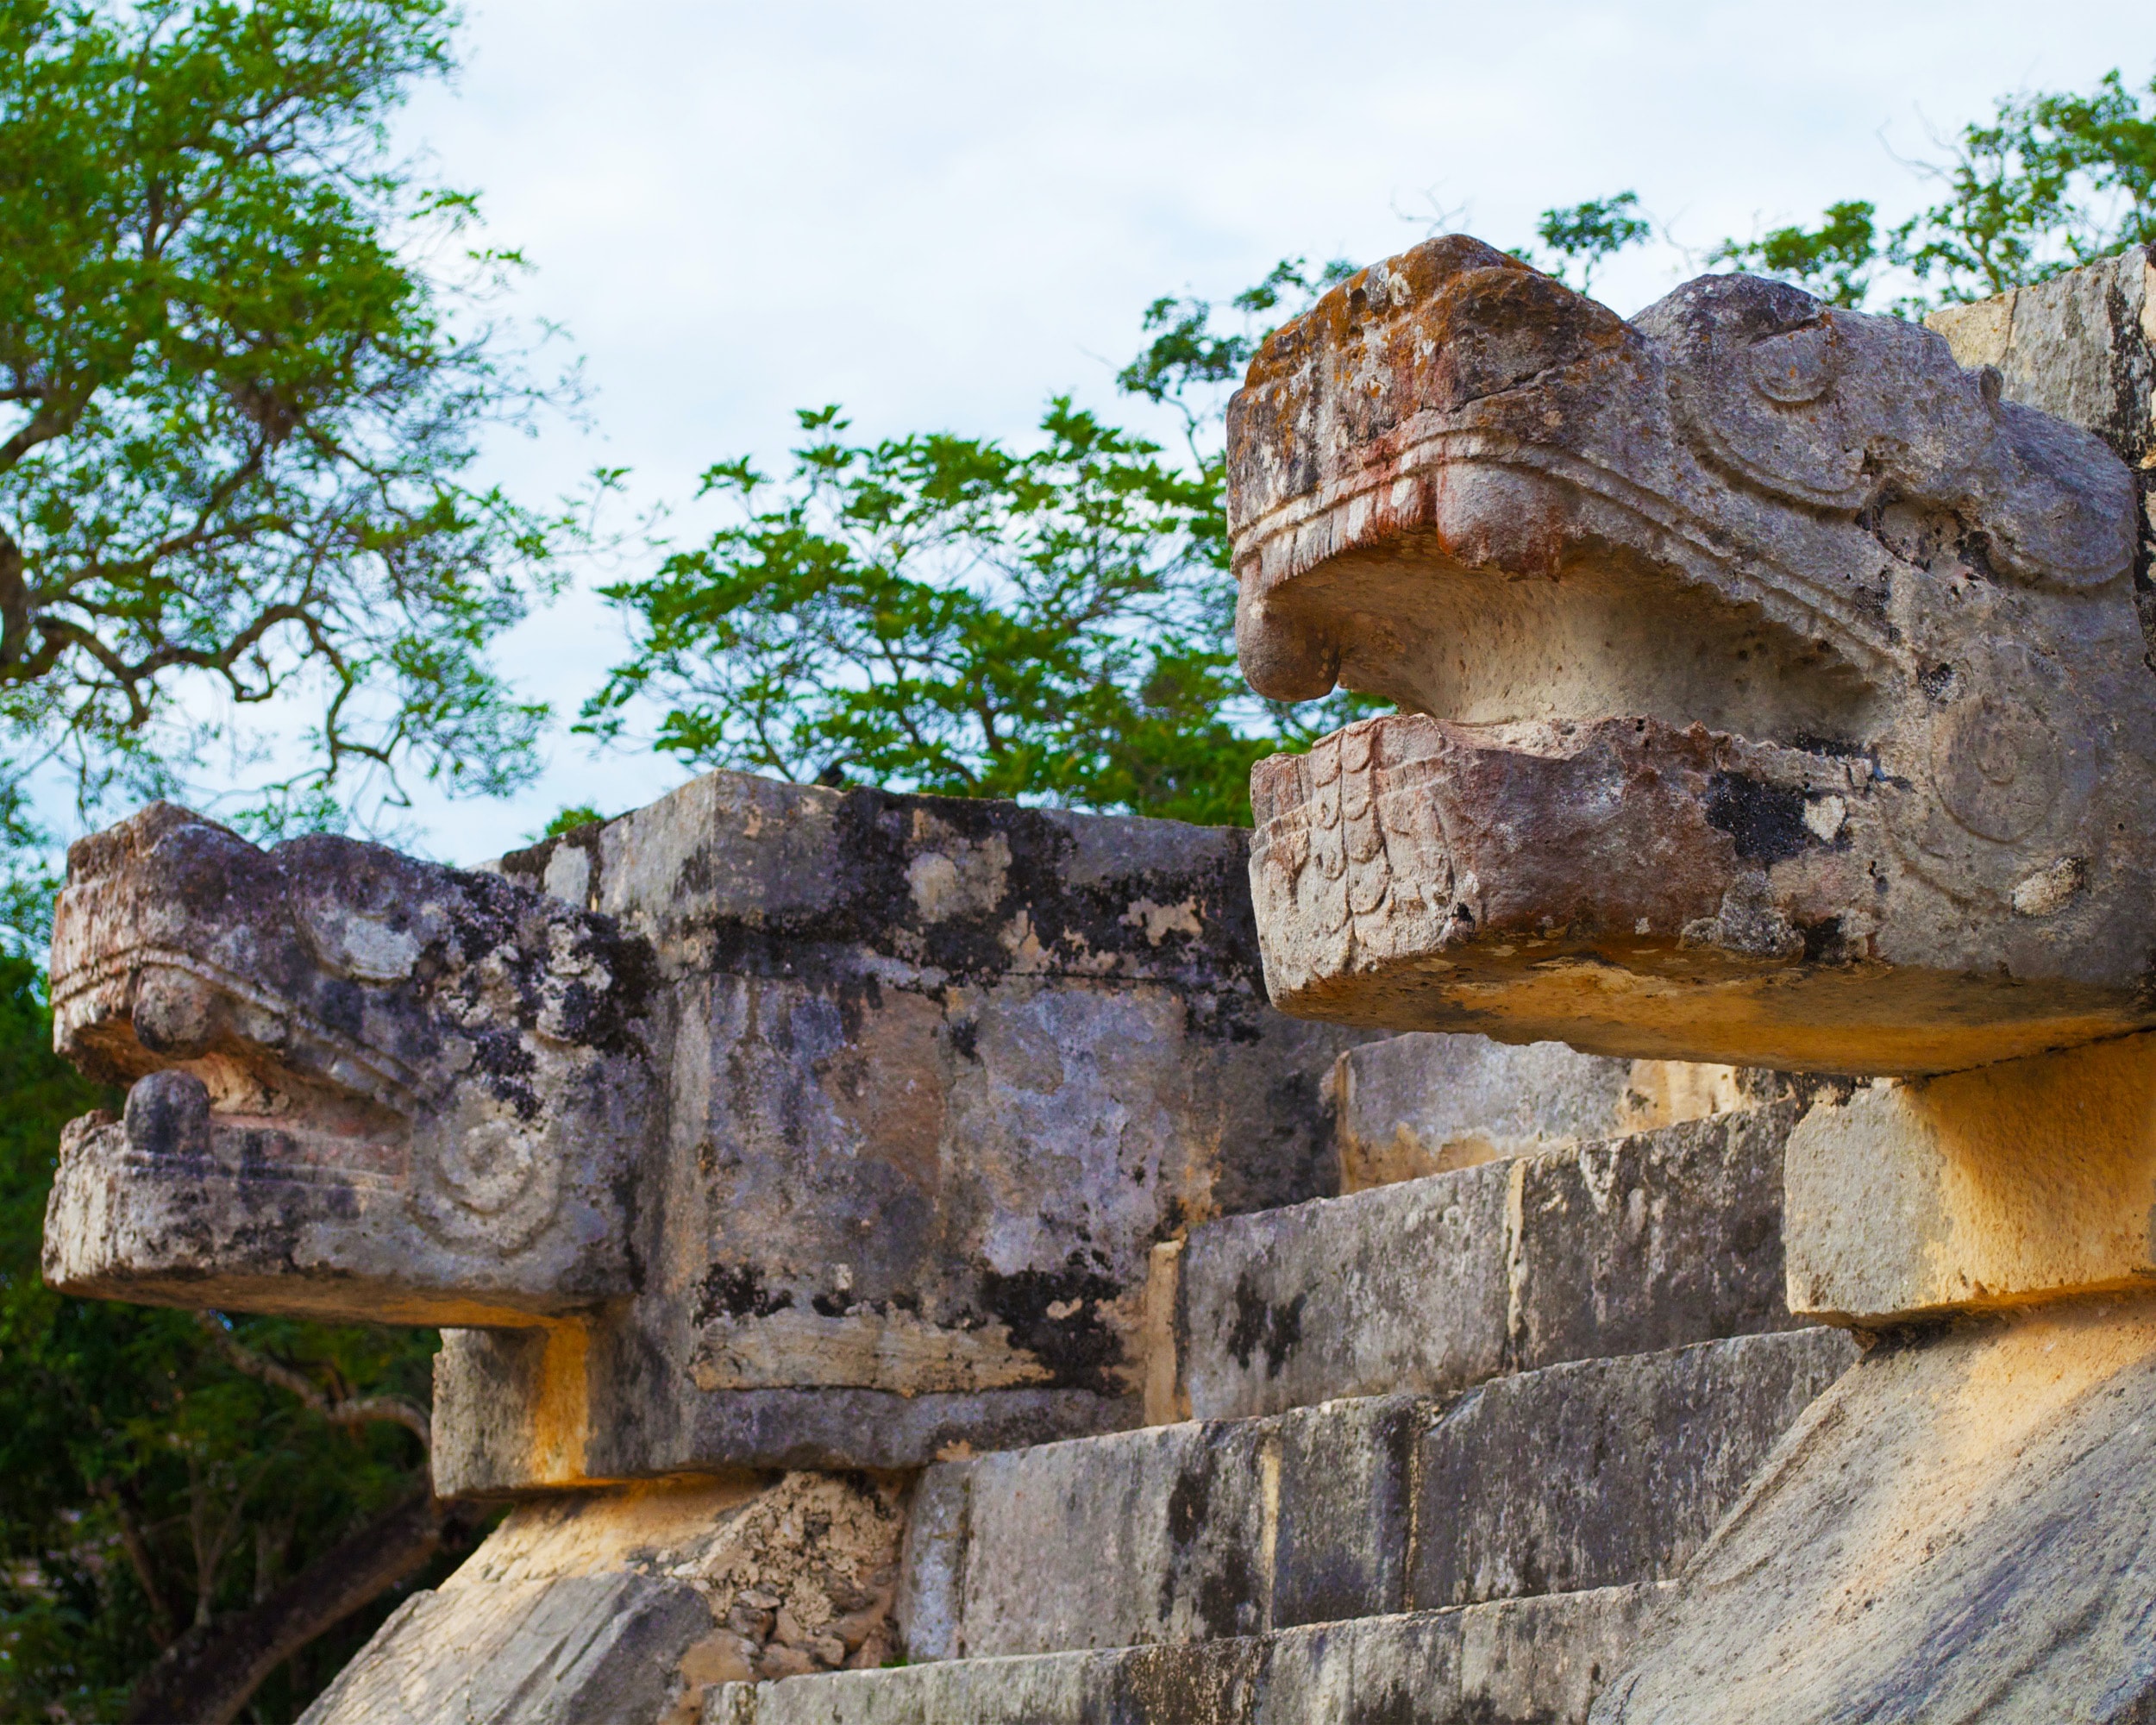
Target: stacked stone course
875 1228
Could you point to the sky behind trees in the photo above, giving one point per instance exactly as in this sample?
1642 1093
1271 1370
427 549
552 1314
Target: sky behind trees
940 214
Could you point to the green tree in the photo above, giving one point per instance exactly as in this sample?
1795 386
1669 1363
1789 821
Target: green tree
941 613
945 614
245 367
1587 236
194 1510
2048 183
1836 260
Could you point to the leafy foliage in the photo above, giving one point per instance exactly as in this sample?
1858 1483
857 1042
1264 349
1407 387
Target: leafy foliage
570 819
147 1486
945 614
234 411
1587 236
941 613
1835 260
2048 184
27 884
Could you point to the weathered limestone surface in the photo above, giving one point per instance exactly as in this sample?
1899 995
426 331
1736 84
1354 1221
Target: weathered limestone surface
2082 346
1578 1476
1605 1471
1627 1245
1773 687
363 1086
766 1126
1428 1103
624 1607
1515 1662
1960 1529
2030 1179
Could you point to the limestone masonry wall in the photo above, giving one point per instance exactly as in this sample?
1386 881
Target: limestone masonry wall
1105 1264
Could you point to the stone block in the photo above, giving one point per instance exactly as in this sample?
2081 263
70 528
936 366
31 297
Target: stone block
1772 687
1185 1532
1627 1245
2081 346
2030 1179
768 1125
623 1608
1428 1103
1604 1472
1402 1288
1509 1662
1514 1662
1959 1529
1601 1473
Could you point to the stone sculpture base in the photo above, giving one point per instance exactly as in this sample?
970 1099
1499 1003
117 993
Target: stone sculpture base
1959 1529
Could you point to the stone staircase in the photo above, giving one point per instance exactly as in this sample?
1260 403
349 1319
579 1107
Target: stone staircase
1450 1437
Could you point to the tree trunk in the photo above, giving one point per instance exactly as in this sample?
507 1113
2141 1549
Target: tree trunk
206 1676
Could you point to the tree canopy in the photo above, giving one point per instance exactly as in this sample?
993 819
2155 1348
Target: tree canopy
2049 182
946 614
243 374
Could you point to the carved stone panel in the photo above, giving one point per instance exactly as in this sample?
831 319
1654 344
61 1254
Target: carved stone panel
768 1125
1772 686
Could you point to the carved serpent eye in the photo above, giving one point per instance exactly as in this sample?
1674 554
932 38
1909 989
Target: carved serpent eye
1796 367
1736 398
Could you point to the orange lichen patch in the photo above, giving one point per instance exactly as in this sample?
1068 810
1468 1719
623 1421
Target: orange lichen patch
560 1407
2030 1179
591 1534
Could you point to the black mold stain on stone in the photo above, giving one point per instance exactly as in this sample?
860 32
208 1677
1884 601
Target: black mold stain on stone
1188 1502
738 1291
1822 940
1218 1582
1080 1351
1261 1325
1767 821
1226 1597
876 841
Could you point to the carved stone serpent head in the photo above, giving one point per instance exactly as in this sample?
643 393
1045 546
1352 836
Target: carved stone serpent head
1770 690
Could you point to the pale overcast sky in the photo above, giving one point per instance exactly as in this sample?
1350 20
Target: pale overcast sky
940 213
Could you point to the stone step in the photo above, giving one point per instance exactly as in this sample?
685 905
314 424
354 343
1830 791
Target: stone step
1581 1476
1626 1246
1429 1101
1536 1661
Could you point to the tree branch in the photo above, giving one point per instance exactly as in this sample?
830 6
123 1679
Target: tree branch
163 1629
208 1676
15 604
356 1410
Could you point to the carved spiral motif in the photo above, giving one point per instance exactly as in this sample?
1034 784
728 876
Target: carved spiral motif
1998 766
487 1178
